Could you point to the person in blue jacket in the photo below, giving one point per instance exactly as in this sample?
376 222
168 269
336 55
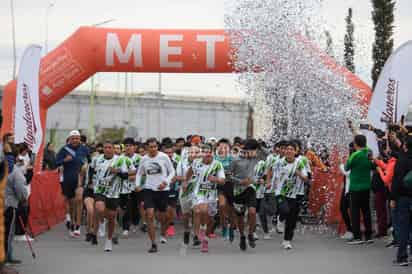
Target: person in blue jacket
72 157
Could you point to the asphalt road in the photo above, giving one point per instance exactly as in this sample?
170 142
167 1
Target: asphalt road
314 252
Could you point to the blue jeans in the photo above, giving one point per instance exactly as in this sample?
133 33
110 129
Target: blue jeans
395 223
404 205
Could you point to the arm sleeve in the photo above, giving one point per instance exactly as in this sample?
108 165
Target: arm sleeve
60 157
170 170
381 164
20 188
221 172
139 174
397 179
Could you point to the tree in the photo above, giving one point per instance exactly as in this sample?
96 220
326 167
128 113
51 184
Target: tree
383 18
349 54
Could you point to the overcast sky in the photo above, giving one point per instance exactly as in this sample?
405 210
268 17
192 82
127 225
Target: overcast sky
66 16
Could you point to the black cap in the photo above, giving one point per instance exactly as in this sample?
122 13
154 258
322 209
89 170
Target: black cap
251 144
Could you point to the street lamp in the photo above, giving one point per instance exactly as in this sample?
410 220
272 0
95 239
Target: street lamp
47 27
92 129
13 33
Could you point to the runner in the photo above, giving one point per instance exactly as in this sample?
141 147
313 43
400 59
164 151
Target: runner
159 172
72 157
124 167
284 175
186 192
173 192
243 177
209 173
225 191
107 191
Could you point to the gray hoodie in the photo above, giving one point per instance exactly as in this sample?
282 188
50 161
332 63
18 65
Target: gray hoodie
16 190
242 168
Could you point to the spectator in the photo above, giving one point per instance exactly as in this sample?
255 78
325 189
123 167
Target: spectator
402 199
360 167
49 158
15 193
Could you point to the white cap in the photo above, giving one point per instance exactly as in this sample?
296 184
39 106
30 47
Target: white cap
74 133
211 139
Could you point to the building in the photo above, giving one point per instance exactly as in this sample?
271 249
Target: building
144 115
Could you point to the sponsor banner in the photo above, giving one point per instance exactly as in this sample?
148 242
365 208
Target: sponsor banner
27 126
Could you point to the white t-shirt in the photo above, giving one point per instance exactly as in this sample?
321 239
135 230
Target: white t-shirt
157 170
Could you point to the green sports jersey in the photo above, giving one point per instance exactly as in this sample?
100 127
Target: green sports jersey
285 177
104 179
124 164
202 171
259 185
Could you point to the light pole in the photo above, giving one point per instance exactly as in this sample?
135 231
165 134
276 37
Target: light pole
13 33
47 28
92 129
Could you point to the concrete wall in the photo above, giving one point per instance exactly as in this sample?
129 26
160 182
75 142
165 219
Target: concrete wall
150 114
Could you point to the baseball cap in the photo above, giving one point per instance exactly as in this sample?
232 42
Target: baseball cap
74 133
212 139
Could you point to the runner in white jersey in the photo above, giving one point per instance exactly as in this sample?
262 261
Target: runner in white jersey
285 174
88 200
125 170
159 171
186 196
209 173
106 191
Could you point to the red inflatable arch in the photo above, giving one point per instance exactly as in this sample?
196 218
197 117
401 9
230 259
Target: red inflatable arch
90 50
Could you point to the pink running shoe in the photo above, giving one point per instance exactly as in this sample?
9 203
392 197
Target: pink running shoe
212 236
202 235
205 246
170 232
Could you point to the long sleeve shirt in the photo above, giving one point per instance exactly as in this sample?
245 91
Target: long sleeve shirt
158 170
360 170
16 190
387 171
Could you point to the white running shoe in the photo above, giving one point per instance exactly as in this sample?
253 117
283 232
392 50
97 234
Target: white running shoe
287 245
347 236
163 240
22 238
125 233
76 233
267 236
280 226
255 236
102 229
108 246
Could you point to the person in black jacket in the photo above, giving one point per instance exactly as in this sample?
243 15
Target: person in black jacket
402 199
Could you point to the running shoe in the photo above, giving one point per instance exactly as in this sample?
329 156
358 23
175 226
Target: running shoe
170 232
186 237
77 233
205 246
125 233
267 236
242 243
88 237
153 249
163 240
13 262
115 240
287 245
108 246
255 236
355 242
212 236
94 240
252 240
231 235
143 227
68 224
202 234
347 236
196 242
401 263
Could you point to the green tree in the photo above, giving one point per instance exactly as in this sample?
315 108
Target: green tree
349 54
383 18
